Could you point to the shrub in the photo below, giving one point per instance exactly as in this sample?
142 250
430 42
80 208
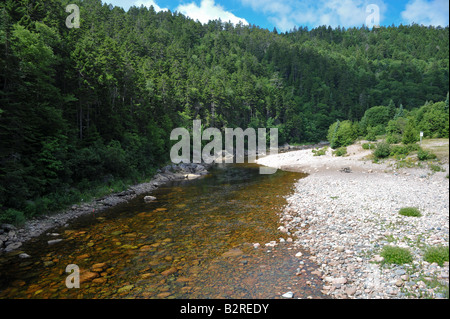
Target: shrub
12 216
341 134
393 138
368 146
436 168
396 255
406 162
376 115
410 211
438 254
371 134
396 127
433 119
341 151
411 134
383 150
320 152
399 150
425 155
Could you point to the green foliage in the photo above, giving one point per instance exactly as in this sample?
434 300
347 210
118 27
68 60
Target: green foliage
393 138
436 168
371 134
404 149
411 134
410 211
383 150
341 151
423 155
433 120
396 255
403 162
376 116
12 216
395 129
320 152
437 254
369 146
341 134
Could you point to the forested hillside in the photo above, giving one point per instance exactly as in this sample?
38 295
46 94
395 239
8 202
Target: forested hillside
81 108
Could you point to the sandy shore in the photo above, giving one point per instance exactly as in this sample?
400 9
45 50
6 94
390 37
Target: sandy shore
345 219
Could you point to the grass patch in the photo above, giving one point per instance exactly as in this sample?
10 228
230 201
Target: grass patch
369 146
437 254
424 155
405 163
341 151
438 147
435 168
396 255
320 152
383 150
410 211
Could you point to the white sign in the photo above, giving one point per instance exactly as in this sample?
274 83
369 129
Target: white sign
421 134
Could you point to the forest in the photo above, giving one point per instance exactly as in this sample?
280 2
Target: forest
86 111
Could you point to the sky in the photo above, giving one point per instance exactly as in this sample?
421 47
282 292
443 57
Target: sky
284 15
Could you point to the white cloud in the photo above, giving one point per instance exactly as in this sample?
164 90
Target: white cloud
286 14
433 12
148 3
207 11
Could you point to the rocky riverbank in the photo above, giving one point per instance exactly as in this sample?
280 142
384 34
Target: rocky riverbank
11 238
346 211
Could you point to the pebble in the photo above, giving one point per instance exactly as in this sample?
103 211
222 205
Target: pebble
289 294
54 241
350 291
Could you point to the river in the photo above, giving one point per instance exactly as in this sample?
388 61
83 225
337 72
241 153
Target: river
195 241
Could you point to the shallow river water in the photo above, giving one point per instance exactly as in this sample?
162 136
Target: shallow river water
195 241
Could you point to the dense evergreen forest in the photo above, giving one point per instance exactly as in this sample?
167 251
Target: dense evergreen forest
93 107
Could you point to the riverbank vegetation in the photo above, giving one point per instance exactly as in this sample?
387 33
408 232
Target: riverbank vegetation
395 125
90 110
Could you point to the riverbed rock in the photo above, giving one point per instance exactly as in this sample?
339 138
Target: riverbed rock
13 246
350 291
86 276
54 241
7 227
169 271
193 176
233 253
125 289
149 198
346 170
99 267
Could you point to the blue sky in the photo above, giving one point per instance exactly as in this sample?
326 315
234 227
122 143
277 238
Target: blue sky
285 14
